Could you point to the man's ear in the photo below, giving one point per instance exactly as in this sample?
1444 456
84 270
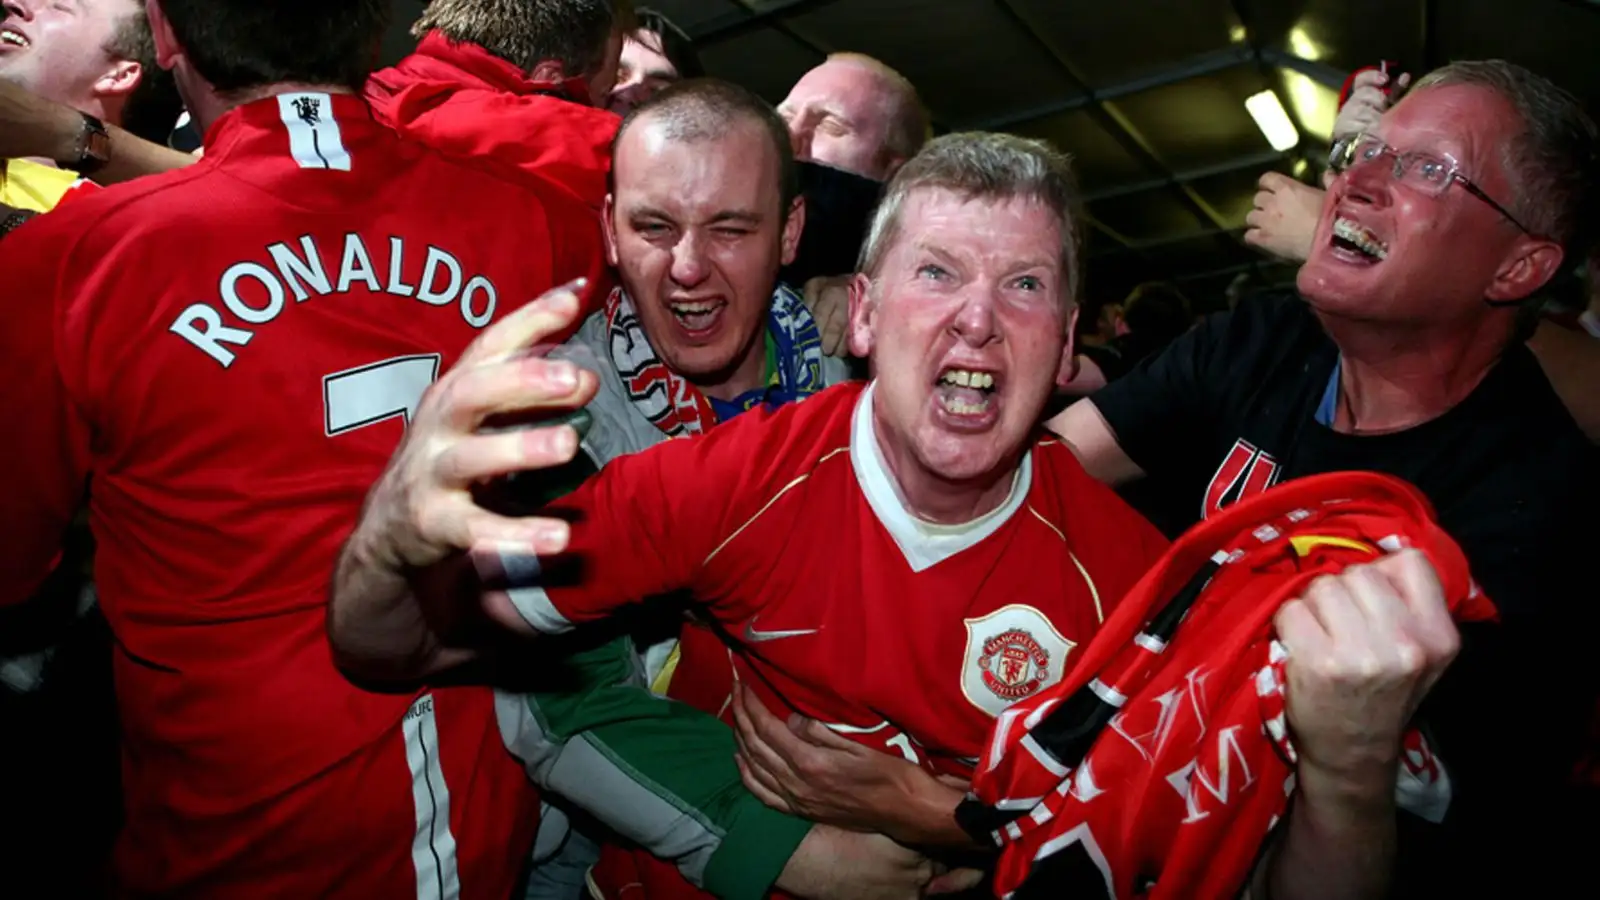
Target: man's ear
794 225
120 80
1529 267
167 49
608 229
863 317
1067 372
548 70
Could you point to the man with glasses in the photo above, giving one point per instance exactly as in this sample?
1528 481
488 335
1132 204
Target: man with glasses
1404 354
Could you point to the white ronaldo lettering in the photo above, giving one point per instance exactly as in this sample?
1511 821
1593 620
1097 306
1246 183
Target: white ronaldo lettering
213 337
397 259
430 273
236 305
478 320
356 266
255 292
307 268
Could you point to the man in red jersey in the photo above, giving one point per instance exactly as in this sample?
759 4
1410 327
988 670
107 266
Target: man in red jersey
227 355
901 560
526 83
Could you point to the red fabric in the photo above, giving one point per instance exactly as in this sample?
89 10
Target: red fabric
463 100
779 526
221 487
1177 793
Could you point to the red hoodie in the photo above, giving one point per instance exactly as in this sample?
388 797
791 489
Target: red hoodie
463 100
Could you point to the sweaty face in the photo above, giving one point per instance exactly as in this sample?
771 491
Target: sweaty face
644 72
838 116
57 49
696 232
1385 251
966 322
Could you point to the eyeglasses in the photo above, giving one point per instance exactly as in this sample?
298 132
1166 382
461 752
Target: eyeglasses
1425 173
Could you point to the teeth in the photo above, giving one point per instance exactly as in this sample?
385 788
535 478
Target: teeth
962 407
968 379
1361 237
8 36
692 309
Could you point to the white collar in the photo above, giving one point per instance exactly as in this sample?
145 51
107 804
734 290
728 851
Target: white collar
925 544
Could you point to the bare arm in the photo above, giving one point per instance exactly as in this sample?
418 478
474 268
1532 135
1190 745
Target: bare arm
1339 842
31 126
1572 363
1082 428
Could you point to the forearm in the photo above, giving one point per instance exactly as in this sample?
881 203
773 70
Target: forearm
659 772
927 817
1339 843
377 625
35 127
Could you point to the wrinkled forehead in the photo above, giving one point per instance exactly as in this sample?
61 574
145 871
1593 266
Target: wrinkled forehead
1009 230
1471 124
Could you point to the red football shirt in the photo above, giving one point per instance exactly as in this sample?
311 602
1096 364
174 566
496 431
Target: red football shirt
837 603
227 356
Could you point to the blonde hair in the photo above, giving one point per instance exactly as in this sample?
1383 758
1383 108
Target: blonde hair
528 32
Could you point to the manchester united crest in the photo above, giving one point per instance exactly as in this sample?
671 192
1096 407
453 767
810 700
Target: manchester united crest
1013 664
1012 653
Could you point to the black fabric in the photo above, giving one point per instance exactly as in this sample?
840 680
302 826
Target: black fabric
12 219
1513 480
839 207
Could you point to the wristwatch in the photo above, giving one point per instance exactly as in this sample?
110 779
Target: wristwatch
13 220
94 148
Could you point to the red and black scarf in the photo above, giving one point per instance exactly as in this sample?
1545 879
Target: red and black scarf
1159 765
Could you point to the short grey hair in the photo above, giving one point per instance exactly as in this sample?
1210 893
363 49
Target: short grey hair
1551 162
981 165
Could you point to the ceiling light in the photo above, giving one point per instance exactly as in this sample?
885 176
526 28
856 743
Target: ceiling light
1238 34
1301 45
1273 121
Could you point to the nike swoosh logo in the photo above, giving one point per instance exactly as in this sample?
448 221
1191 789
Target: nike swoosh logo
760 637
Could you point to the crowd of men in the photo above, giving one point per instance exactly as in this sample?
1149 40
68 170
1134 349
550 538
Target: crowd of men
536 469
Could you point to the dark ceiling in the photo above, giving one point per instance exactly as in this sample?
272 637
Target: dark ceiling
1148 95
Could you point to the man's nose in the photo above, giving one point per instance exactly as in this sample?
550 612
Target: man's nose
974 323
689 263
18 9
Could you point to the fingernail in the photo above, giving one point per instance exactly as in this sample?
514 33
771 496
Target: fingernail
554 537
563 375
564 442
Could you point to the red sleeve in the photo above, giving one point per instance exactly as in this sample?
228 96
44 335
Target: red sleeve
649 523
44 460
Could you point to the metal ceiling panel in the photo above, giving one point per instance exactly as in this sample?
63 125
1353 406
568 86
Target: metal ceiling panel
1113 42
1146 216
765 61
1200 122
968 60
1347 34
1233 193
695 16
1097 157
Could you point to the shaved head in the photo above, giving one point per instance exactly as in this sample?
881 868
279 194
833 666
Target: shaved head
705 109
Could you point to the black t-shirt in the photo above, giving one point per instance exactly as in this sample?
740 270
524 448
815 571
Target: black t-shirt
1231 408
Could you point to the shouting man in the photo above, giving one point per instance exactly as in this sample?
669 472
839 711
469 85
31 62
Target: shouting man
900 559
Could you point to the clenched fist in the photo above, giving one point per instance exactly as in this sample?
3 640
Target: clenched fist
1365 646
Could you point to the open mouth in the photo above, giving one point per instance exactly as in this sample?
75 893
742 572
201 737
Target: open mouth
697 315
10 37
966 392
1358 242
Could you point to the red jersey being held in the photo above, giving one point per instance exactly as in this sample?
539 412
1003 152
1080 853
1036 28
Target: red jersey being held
227 356
906 636
464 100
